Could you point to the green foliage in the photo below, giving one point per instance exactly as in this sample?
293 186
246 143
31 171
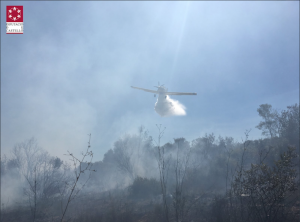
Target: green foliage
289 124
284 124
269 126
266 188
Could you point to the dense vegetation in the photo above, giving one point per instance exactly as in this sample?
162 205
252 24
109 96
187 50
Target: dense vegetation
208 179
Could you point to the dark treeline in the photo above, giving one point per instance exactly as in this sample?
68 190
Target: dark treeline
211 178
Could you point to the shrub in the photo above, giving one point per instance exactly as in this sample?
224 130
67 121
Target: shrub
144 188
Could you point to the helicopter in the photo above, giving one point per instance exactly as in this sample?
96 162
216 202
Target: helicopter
164 105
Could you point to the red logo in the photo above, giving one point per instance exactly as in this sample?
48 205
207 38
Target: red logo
14 19
14 13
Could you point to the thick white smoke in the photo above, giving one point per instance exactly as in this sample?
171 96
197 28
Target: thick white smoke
165 106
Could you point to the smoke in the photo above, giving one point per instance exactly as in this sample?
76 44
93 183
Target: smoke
11 190
165 106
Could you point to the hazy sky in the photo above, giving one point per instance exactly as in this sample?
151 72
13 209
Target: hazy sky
70 73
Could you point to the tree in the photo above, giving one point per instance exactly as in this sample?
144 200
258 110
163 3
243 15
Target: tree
123 153
270 125
81 166
129 150
289 124
163 166
42 175
180 168
266 193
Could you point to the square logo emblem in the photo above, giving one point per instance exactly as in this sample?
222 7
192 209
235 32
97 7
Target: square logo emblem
14 19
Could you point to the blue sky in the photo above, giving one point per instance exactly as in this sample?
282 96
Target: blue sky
70 73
